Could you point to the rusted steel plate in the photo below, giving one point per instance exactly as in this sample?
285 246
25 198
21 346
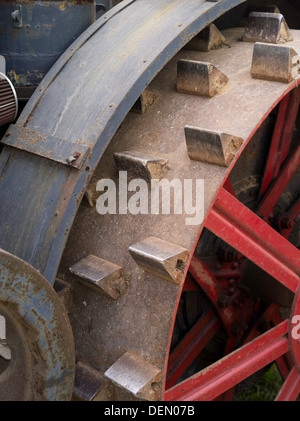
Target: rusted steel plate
40 338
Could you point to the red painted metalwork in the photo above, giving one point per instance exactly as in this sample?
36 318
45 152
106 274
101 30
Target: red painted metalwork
191 346
230 220
256 240
291 387
278 186
275 142
294 330
292 214
282 137
202 273
229 187
190 284
284 365
288 129
233 368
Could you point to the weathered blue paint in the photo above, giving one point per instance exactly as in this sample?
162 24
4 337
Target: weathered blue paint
46 146
122 52
35 33
39 306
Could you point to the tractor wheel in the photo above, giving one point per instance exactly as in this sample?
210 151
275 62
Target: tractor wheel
183 303
164 326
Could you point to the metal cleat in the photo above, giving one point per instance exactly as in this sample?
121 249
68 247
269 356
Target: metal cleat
100 275
163 259
144 102
275 62
208 39
91 385
136 376
199 78
267 27
213 147
140 165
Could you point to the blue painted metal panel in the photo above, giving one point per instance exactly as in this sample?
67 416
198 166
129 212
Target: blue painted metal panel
84 99
46 146
35 34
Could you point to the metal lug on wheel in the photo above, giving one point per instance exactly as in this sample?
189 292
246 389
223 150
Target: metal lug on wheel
91 385
161 258
262 9
140 165
208 39
100 275
275 62
213 147
144 102
136 376
267 27
199 78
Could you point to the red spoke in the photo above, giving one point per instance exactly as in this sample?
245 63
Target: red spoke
190 284
281 139
292 215
232 369
288 130
191 346
229 394
207 281
230 220
291 387
284 365
278 186
268 176
229 187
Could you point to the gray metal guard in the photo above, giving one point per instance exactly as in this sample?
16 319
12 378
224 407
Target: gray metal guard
123 50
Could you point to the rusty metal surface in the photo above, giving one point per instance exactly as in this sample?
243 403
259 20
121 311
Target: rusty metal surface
90 384
208 39
275 62
139 165
214 147
198 78
267 27
38 334
161 258
56 110
100 275
141 320
138 377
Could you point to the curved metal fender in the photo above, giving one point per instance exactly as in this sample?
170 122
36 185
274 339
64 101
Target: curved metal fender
40 186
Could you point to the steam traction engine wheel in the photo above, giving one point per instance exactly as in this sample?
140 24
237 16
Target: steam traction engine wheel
154 299
236 311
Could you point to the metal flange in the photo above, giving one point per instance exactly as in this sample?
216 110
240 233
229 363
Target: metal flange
37 358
